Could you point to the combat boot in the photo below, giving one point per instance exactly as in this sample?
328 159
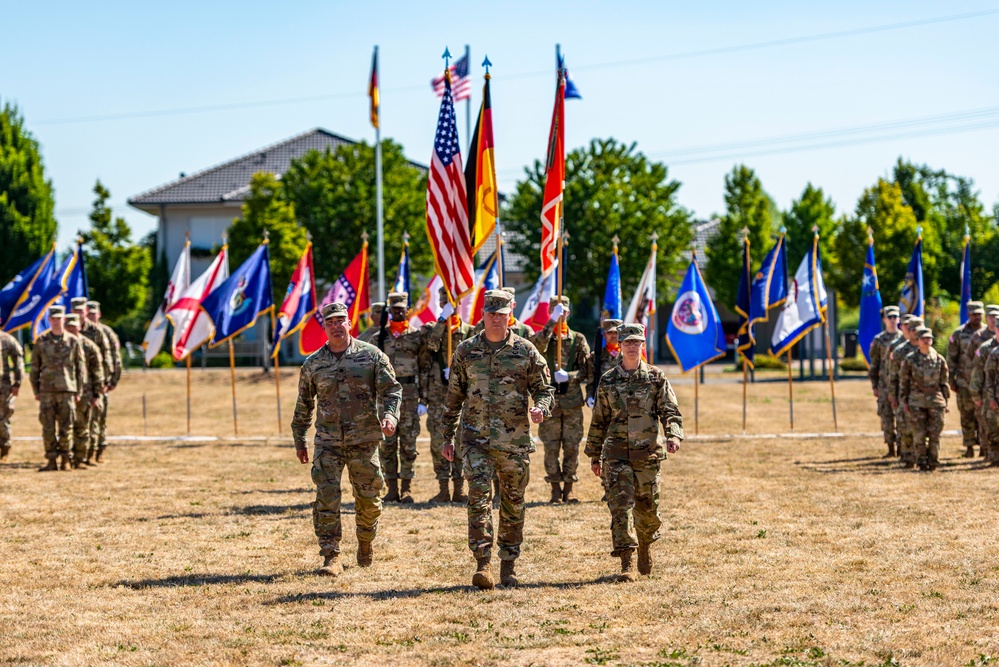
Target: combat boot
393 491
404 494
459 492
567 496
891 451
627 567
508 575
331 566
365 553
969 453
444 495
51 465
64 463
556 494
644 558
482 578
78 465
4 453
100 454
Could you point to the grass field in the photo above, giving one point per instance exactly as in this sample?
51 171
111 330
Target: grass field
777 551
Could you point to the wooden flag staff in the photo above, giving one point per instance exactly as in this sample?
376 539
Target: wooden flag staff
745 364
825 322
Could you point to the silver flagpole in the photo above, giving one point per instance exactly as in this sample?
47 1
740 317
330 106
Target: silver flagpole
380 223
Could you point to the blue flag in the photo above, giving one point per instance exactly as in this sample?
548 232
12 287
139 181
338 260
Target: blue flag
912 300
12 291
746 345
402 277
694 334
72 284
235 305
769 287
30 303
870 305
571 92
613 306
965 279
805 306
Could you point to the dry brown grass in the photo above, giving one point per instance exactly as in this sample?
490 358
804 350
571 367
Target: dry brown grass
778 552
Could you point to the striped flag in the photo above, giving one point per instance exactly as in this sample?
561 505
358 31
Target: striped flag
551 205
299 301
447 212
480 175
460 84
181 278
191 324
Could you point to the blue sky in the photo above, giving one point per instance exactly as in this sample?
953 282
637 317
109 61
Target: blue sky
133 65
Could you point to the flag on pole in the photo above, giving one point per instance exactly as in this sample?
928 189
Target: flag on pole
152 343
480 175
746 344
643 303
571 92
373 94
402 276
551 204
32 283
237 303
769 287
191 325
11 293
965 277
487 278
350 289
447 206
536 311
460 82
299 301
71 282
805 305
613 305
427 308
870 305
912 299
694 335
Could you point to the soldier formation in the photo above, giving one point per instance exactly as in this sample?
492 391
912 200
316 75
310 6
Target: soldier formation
481 390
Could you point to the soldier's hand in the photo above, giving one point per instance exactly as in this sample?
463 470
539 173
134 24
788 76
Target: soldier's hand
953 386
994 405
14 391
906 408
560 375
95 402
447 373
537 415
421 409
978 402
388 427
595 467
672 446
875 392
303 455
446 312
448 451
590 402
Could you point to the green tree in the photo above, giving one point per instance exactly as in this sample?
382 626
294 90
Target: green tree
747 206
117 269
810 210
610 188
27 222
333 194
266 208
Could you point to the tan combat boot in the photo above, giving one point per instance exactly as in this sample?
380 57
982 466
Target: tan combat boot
331 566
444 495
556 493
627 568
459 492
90 456
365 553
64 463
567 496
51 465
100 454
405 496
508 575
78 465
4 453
644 558
483 578
393 491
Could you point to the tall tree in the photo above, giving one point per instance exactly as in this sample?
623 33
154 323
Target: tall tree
610 188
333 193
117 269
27 221
747 206
266 208
810 210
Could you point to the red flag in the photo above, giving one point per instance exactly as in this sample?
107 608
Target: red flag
351 288
551 205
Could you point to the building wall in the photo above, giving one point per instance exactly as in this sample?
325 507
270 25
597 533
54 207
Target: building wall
206 224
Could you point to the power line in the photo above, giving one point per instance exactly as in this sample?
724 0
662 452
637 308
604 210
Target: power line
751 46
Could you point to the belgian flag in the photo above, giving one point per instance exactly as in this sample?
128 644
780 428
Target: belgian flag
480 176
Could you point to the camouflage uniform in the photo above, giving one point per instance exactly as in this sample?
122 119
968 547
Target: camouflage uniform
960 354
896 359
93 391
878 374
983 343
95 333
924 389
990 401
347 393
434 389
111 379
608 359
12 367
624 439
58 378
516 326
369 334
488 392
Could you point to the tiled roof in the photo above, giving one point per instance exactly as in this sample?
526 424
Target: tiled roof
704 230
513 262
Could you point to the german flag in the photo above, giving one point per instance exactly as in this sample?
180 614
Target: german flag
480 176
373 89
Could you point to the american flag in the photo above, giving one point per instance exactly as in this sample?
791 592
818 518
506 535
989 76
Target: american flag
447 212
461 83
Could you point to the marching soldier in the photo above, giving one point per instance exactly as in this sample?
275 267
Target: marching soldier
348 381
563 431
923 391
58 378
896 357
623 444
878 374
91 395
402 343
982 343
369 334
105 350
433 387
959 360
12 367
990 401
111 378
493 374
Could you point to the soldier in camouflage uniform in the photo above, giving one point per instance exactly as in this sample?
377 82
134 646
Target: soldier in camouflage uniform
105 350
58 378
11 375
369 334
92 392
624 447
982 343
923 391
960 355
492 376
563 431
433 387
878 374
403 343
990 401
111 378
345 382
601 361
896 359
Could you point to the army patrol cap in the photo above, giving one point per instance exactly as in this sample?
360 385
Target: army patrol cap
396 299
904 319
94 306
924 332
73 320
975 307
57 311
992 309
78 303
552 302
888 311
915 322
377 306
498 301
610 325
627 332
335 309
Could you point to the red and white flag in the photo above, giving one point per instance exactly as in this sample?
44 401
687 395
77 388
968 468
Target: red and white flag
350 289
536 310
428 308
643 303
191 325
551 204
152 343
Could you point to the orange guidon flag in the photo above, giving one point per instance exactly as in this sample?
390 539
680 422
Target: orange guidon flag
373 89
480 175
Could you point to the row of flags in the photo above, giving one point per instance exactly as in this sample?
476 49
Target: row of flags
913 297
25 300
